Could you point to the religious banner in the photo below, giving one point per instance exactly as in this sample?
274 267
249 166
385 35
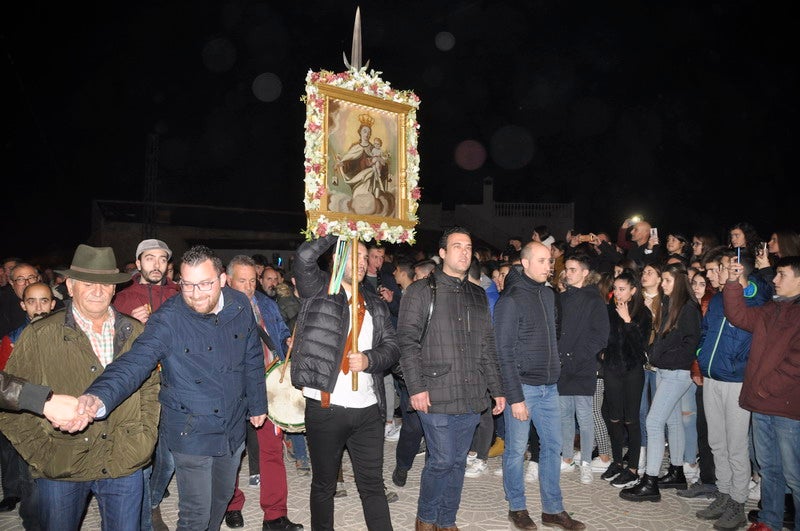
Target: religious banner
361 158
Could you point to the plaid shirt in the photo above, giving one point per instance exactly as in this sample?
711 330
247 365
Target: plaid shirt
102 342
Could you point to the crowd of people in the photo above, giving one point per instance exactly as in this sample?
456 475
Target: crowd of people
650 366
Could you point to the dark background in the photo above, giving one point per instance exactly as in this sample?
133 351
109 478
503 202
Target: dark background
683 111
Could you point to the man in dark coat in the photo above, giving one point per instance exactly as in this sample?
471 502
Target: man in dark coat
212 376
339 415
449 364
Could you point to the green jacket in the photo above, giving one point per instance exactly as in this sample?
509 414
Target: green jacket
54 351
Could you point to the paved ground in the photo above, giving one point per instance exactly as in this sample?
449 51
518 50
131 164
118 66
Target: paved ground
482 506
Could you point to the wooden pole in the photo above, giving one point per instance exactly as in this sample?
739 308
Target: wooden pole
354 306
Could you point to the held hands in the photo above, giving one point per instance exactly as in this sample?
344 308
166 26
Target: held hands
61 410
71 414
258 420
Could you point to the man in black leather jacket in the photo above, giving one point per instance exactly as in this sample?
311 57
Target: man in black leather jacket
337 416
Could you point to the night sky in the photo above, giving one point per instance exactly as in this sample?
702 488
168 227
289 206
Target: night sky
685 112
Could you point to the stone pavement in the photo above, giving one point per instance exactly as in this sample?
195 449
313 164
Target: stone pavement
482 505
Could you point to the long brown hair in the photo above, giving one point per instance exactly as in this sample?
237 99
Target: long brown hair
682 294
655 304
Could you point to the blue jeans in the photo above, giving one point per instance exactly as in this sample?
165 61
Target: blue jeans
689 416
777 447
544 411
163 469
448 438
580 406
205 486
62 503
648 392
671 385
298 444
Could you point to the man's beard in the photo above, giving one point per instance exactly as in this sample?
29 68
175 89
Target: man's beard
147 278
271 291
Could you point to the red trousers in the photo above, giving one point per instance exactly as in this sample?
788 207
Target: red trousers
274 491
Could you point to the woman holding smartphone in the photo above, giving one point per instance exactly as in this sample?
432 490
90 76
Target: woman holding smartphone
672 354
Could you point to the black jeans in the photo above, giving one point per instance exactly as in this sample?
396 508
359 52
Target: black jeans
411 432
622 400
328 432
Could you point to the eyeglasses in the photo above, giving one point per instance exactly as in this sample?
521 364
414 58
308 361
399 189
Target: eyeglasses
25 280
188 287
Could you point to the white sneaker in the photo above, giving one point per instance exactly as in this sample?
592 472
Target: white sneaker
576 458
392 432
598 465
477 468
533 472
568 467
691 473
586 472
471 458
755 490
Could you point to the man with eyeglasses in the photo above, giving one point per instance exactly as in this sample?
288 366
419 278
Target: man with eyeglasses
11 314
212 380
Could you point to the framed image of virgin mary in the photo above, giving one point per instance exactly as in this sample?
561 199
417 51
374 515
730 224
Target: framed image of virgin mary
361 144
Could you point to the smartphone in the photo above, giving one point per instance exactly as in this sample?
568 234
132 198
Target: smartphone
654 232
584 238
764 248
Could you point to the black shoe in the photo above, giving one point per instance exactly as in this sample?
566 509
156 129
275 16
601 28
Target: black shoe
613 470
399 476
281 523
8 504
166 493
752 516
645 490
673 479
625 479
234 519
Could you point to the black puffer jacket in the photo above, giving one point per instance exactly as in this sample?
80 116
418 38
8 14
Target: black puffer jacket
584 333
525 325
323 323
456 362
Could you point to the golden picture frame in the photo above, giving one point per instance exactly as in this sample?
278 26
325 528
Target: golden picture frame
361 158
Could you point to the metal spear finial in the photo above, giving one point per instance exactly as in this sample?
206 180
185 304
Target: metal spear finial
355 53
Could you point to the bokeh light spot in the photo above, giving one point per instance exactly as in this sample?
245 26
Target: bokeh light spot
512 147
445 41
470 155
267 87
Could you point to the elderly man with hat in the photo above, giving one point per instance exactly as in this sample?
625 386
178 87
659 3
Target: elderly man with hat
67 351
150 287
